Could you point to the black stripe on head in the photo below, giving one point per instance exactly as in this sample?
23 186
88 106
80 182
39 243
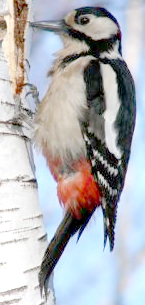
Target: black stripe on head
96 46
97 11
104 44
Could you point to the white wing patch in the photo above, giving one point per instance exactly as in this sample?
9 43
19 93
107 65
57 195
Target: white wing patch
112 107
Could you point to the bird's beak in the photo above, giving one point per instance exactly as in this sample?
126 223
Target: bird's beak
54 26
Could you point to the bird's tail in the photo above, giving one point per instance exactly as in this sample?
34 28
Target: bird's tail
68 227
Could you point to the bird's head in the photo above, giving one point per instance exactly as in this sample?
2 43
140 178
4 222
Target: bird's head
95 27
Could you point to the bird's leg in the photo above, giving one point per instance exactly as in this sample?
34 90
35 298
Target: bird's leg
22 115
34 92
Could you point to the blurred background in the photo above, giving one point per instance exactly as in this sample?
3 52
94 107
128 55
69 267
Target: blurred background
85 273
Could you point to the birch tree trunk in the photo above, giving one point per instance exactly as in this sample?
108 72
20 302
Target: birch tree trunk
22 235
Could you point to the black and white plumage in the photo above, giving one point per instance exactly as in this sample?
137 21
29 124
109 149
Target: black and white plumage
93 97
109 159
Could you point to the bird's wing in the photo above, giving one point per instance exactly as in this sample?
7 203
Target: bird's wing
108 170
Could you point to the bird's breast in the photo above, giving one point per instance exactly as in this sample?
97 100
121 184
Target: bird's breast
61 111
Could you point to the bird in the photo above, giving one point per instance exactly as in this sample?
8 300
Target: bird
85 123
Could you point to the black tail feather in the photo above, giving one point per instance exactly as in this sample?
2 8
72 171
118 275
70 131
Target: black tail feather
109 224
68 227
83 225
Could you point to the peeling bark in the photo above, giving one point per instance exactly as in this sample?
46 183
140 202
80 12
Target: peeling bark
20 19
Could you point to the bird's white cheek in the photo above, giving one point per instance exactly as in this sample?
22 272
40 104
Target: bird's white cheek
98 28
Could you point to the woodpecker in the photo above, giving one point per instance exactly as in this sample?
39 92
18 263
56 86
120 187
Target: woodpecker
84 124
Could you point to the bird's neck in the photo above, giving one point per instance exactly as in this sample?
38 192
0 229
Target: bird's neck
74 49
112 53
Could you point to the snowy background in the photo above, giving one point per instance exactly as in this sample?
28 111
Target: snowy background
85 273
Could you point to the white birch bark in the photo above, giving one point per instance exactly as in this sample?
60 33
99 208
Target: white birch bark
22 235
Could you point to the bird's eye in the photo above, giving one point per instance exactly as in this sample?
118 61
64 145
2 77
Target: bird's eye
84 20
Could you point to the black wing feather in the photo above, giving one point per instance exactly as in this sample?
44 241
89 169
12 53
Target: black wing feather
103 162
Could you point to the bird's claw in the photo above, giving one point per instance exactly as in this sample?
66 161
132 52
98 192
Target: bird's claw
34 92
